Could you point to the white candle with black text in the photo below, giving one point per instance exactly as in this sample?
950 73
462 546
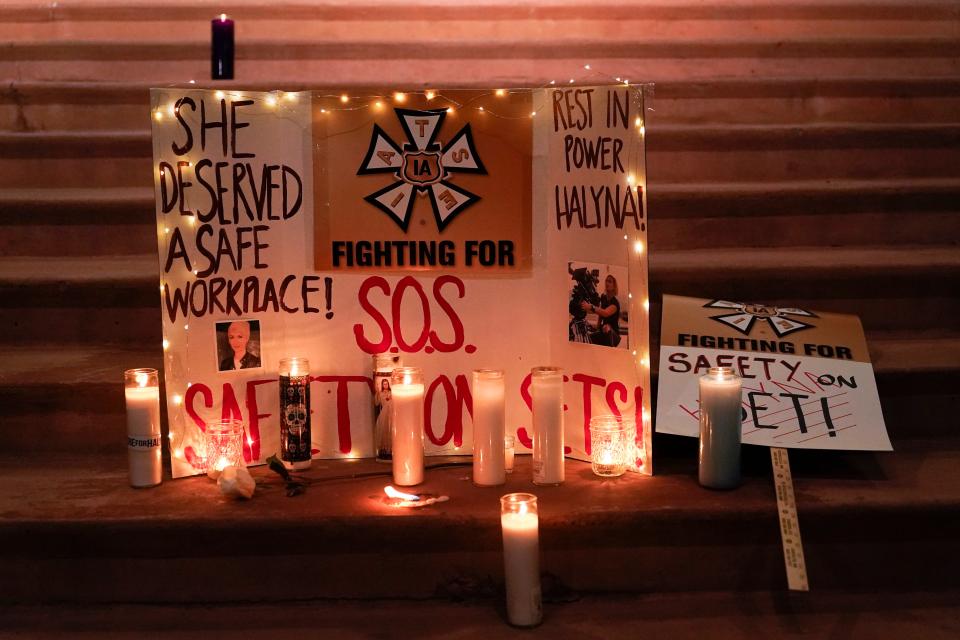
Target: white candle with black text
142 395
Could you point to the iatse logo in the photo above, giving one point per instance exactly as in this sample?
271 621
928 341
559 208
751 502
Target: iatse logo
742 316
422 166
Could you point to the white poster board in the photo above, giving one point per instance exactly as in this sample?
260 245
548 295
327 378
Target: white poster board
807 378
237 175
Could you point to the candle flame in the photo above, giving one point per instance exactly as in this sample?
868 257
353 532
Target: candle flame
142 379
222 463
400 495
407 379
223 17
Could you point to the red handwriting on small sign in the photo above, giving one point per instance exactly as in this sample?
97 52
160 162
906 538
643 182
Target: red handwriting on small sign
394 336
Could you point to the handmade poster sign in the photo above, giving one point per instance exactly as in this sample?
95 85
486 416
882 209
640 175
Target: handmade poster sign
807 378
455 230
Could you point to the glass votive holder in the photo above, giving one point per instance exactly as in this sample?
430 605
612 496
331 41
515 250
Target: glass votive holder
608 446
509 442
224 445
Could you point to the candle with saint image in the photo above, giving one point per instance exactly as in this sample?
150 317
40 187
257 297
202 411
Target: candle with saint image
406 389
720 425
488 428
508 452
546 389
142 393
520 524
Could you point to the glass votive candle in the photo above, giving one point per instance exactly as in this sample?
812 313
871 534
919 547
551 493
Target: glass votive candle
520 524
608 446
509 442
224 445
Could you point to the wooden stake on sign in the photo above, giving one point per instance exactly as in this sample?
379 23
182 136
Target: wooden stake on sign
789 526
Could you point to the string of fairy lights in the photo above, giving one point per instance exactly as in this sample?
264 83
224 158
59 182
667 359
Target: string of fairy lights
493 103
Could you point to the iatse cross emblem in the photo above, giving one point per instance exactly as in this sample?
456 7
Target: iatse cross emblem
422 166
742 316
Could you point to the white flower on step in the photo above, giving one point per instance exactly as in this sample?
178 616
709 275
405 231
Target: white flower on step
236 482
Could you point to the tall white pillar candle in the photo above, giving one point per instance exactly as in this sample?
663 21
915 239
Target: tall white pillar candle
546 388
489 417
519 522
142 393
406 389
720 426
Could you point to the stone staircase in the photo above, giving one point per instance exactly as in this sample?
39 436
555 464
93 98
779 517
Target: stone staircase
810 148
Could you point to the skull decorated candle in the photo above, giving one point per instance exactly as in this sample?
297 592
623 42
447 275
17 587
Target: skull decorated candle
295 442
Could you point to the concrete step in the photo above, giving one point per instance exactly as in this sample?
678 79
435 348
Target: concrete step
119 205
134 235
418 10
75 389
121 221
117 298
487 42
84 106
567 616
675 153
89 144
114 544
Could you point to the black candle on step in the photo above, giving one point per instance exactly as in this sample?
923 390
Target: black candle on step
221 48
